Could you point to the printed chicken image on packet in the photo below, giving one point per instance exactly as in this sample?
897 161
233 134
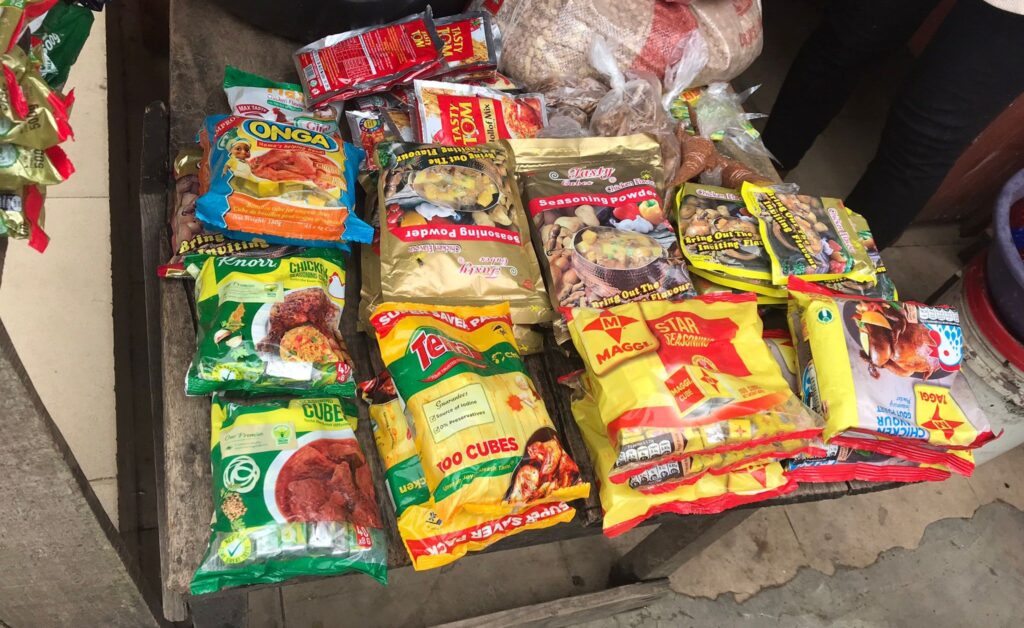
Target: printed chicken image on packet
660 369
369 60
453 230
455 114
808 237
281 183
484 436
430 541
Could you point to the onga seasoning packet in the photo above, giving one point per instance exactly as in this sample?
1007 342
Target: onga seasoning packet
369 60
453 230
808 237
718 233
189 236
456 114
658 369
292 493
270 326
468 43
601 228
253 96
625 507
886 373
484 436
281 183
430 541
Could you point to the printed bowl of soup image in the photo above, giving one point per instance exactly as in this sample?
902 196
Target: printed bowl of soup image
460 188
619 258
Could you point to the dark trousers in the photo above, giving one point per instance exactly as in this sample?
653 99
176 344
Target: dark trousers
970 71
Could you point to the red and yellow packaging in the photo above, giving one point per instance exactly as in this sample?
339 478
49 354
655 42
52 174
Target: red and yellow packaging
483 434
659 370
430 541
456 114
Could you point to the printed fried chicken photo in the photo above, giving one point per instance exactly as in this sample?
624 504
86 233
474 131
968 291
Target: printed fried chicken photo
304 328
891 341
544 468
293 165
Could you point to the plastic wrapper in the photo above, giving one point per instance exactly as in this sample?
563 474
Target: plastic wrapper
551 38
45 123
702 159
62 36
453 230
454 114
468 43
600 224
842 464
293 495
626 507
15 15
718 233
711 282
270 326
369 60
189 236
808 237
483 433
886 375
691 57
632 105
660 369
721 117
430 541
281 183
22 216
21 166
368 129
883 288
253 96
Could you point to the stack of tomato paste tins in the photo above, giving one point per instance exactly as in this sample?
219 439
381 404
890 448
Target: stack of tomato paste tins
34 110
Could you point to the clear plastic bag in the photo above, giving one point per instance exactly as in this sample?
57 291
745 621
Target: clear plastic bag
691 56
720 117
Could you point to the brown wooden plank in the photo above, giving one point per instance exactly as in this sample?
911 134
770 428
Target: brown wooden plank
570 611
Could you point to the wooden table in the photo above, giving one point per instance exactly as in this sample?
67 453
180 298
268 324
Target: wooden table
203 40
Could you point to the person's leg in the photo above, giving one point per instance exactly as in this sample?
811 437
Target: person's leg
853 35
967 75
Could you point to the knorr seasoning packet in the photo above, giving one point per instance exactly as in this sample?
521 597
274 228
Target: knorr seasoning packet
282 183
484 436
601 229
270 326
430 541
658 369
808 237
453 230
292 493
886 373
718 233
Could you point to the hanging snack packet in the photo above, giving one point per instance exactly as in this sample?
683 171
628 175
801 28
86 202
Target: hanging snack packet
455 114
453 230
188 236
270 326
625 507
602 231
886 371
281 183
20 165
808 237
660 368
485 438
430 541
293 495
468 43
22 216
45 122
883 288
843 464
718 233
368 129
15 16
252 96
369 60
62 36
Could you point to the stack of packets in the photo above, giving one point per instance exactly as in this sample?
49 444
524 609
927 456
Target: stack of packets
754 240
885 375
33 112
471 453
684 409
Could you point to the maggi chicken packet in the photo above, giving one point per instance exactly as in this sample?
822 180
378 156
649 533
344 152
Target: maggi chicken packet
430 541
483 433
843 464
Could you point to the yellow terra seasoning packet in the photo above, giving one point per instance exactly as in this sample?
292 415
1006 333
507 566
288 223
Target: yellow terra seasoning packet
808 236
660 368
430 541
485 438
886 374
453 230
625 507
